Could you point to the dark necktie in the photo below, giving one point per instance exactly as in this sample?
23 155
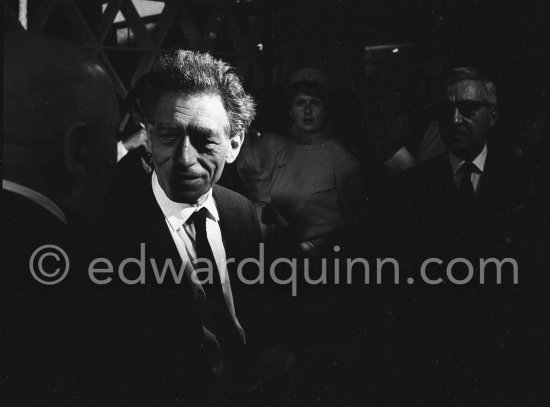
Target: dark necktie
466 188
226 331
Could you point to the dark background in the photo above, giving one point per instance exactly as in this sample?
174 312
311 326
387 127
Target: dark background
506 38
337 336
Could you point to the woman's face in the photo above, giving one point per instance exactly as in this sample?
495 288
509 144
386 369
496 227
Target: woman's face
307 113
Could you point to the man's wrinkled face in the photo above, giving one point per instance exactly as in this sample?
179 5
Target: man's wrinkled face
307 113
466 118
190 144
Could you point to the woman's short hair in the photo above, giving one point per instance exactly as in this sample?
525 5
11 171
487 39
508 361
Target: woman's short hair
309 88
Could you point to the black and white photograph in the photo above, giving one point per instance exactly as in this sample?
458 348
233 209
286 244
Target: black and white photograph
275 203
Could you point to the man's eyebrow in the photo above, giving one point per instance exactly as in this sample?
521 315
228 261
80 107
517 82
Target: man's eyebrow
204 130
169 126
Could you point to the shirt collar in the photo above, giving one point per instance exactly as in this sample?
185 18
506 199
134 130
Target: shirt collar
479 161
36 197
177 213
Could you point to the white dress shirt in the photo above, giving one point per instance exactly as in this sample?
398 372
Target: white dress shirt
479 162
176 215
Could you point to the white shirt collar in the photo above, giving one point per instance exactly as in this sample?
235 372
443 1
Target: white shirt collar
479 161
177 213
36 197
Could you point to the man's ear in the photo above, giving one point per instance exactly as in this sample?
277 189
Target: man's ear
78 148
493 116
148 133
235 144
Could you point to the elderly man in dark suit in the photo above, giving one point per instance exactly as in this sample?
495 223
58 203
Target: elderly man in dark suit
187 337
464 200
467 204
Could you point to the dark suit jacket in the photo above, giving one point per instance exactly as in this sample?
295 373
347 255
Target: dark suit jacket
151 341
38 327
463 343
434 222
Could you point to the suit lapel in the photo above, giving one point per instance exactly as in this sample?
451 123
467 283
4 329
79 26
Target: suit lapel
442 191
445 177
501 190
227 225
489 178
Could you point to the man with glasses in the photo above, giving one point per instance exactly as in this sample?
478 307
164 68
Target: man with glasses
455 199
466 204
466 118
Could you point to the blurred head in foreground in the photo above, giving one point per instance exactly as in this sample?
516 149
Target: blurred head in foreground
60 120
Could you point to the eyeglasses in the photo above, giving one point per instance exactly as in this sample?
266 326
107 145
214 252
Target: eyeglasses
466 108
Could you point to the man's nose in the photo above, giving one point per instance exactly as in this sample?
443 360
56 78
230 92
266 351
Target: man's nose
457 117
187 154
307 108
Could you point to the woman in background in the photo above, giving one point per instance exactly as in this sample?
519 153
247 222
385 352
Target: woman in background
316 189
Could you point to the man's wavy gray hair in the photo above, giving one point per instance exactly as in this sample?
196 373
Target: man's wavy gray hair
194 72
464 73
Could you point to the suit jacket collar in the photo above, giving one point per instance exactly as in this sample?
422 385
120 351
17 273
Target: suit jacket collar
479 161
177 213
227 223
160 238
495 184
443 171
